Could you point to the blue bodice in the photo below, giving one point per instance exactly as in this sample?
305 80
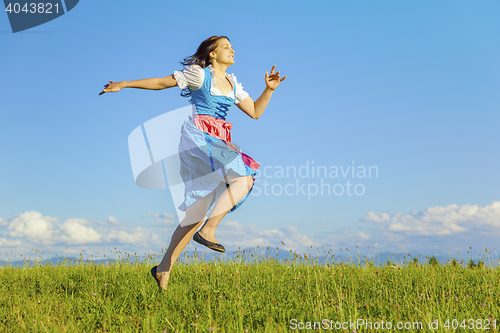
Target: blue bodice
209 104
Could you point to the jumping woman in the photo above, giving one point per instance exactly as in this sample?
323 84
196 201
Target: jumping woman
217 176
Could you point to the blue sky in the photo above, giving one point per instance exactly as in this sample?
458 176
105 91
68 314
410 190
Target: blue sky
409 88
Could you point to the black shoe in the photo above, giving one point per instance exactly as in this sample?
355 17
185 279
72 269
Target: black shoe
153 272
211 245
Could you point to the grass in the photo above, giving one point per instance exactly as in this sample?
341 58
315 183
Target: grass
262 295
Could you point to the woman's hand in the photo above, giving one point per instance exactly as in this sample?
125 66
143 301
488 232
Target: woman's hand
273 80
111 87
255 109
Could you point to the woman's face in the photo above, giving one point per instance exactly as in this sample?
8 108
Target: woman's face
224 53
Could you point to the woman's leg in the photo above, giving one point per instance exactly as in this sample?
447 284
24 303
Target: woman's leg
195 214
238 188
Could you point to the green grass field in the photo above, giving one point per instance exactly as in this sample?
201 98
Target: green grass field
262 296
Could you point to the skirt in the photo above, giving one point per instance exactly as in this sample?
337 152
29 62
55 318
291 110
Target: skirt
206 156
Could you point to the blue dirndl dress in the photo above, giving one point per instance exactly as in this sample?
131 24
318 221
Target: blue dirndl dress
205 149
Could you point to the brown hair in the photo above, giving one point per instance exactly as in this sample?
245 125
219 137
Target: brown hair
202 55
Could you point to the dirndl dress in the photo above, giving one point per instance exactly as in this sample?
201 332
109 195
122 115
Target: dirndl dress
205 150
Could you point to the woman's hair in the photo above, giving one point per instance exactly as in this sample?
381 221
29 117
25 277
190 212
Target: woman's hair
201 57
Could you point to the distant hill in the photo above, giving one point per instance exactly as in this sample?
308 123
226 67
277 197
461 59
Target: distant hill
255 254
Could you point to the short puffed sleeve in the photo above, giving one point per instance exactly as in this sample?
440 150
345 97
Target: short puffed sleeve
240 93
191 77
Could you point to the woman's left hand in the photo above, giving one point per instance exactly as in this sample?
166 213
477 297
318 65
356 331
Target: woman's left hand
273 80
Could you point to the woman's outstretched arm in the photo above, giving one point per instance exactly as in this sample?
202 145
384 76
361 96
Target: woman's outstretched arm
255 109
153 84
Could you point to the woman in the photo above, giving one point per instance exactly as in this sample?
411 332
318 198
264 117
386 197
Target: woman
217 176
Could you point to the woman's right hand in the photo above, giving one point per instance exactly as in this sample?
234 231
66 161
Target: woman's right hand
111 87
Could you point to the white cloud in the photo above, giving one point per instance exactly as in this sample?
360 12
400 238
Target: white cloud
76 232
363 235
9 242
137 236
162 215
443 221
112 220
32 226
380 217
164 218
244 236
35 228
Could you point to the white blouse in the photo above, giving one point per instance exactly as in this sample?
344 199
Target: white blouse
193 77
